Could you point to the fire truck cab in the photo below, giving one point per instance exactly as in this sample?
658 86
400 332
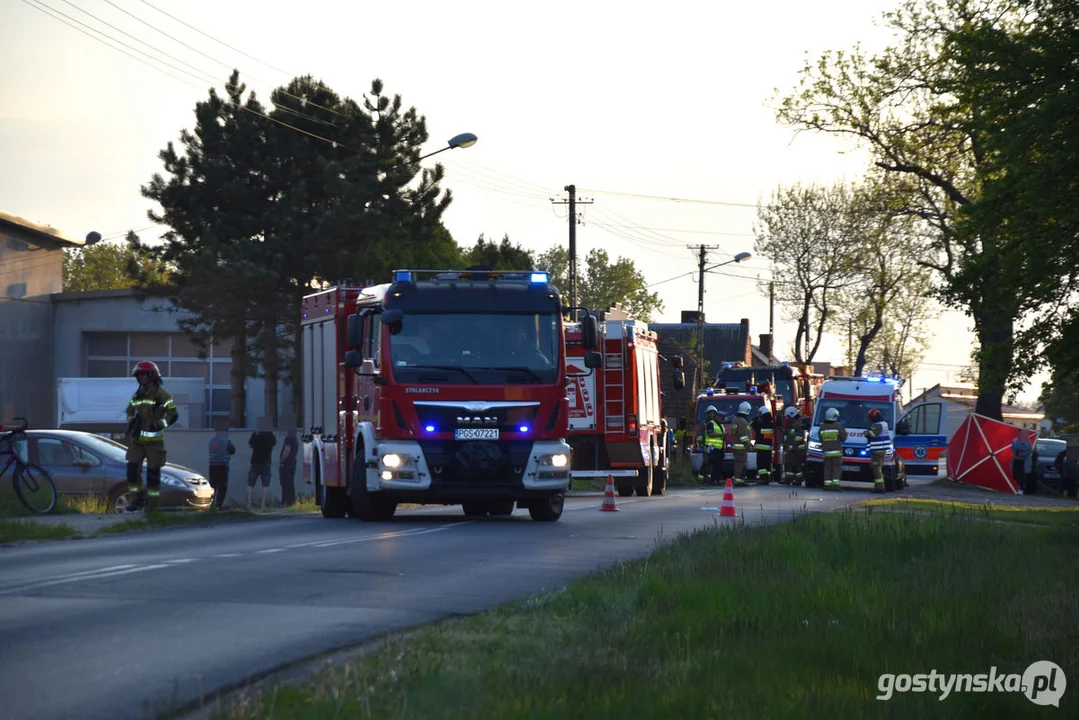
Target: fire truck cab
853 397
440 387
616 410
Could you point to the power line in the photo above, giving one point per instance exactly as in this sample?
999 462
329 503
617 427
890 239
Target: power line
303 100
669 199
241 106
211 37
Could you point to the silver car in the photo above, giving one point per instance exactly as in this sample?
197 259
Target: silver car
85 464
1047 450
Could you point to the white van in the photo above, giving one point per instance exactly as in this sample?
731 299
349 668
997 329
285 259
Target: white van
854 397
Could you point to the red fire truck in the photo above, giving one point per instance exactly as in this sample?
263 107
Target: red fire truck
441 387
616 410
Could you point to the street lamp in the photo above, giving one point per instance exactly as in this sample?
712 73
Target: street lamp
463 140
700 309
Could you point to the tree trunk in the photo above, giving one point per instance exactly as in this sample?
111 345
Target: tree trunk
297 378
864 341
238 380
996 335
273 373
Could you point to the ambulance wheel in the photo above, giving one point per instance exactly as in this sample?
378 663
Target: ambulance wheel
548 509
644 481
364 505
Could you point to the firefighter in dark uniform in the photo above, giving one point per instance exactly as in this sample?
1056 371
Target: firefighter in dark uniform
764 434
741 441
794 447
149 413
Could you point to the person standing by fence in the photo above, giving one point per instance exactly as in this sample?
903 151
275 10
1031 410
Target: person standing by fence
221 452
262 444
286 472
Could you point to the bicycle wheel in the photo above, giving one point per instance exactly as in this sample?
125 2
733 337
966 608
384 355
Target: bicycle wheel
35 488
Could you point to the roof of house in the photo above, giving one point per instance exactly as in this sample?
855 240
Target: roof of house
34 232
723 342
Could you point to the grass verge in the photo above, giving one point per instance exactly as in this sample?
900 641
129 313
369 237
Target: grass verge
16 530
1067 516
151 519
797 620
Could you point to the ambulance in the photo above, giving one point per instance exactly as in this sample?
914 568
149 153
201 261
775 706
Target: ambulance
922 435
853 397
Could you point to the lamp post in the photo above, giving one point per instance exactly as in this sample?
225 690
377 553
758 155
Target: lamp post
700 309
463 140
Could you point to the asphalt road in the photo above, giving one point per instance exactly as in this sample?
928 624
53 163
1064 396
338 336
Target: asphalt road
129 626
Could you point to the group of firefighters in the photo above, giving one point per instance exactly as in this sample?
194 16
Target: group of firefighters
718 434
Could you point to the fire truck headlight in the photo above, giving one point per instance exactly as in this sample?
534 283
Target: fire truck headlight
387 475
391 460
557 460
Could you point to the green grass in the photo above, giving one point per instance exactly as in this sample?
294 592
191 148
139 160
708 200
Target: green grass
15 530
151 519
791 621
1066 516
303 504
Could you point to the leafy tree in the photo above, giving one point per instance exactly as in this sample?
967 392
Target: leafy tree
602 284
500 256
805 231
1060 396
884 305
263 207
919 109
111 266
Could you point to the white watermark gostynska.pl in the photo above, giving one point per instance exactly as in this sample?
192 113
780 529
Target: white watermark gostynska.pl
1043 683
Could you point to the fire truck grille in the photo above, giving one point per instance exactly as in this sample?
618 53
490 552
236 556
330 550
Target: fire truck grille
446 418
476 464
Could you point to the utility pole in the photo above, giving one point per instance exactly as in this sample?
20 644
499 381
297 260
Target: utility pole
701 261
772 321
572 202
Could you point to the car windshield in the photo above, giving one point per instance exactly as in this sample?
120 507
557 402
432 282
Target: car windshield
853 413
726 405
1049 448
463 348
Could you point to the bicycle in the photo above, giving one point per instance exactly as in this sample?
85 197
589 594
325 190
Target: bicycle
32 483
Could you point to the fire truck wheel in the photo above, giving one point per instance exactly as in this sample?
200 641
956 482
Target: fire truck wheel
659 482
644 481
548 509
334 502
367 506
475 509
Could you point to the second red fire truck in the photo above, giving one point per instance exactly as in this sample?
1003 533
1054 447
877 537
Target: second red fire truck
616 410
441 387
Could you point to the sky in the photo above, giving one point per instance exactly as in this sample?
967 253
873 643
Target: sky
662 116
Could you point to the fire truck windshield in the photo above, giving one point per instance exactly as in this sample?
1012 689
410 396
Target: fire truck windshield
725 404
520 347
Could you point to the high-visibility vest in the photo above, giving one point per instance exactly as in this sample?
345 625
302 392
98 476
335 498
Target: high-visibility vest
713 434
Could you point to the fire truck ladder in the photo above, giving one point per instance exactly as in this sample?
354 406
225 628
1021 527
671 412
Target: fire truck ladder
614 387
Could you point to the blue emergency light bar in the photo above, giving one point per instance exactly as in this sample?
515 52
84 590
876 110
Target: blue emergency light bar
882 379
402 276
539 277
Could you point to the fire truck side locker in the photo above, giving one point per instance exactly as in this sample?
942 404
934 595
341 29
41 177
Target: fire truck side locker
320 379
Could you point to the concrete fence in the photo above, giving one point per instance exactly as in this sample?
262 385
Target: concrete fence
190 448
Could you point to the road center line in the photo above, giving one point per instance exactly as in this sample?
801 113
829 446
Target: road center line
81 577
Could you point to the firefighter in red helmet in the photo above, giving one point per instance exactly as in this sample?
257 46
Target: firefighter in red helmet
149 413
879 443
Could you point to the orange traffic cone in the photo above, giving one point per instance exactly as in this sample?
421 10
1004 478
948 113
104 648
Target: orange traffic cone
608 497
727 508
